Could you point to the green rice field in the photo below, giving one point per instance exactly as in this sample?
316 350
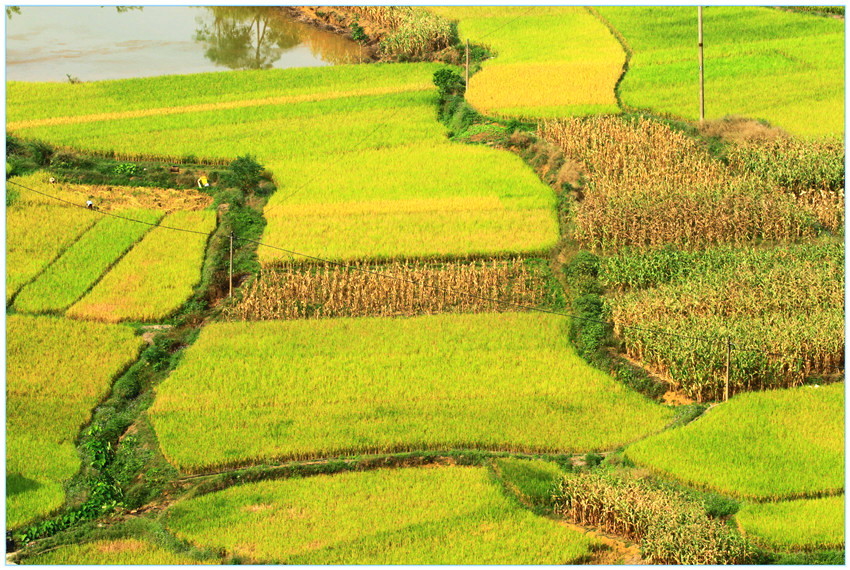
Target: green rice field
126 551
796 525
762 63
445 515
57 371
318 388
155 277
551 61
370 165
82 264
764 445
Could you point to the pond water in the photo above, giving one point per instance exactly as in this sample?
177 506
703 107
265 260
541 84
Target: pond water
90 43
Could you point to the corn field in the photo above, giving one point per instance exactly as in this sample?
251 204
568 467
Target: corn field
649 186
788 302
413 31
670 528
298 291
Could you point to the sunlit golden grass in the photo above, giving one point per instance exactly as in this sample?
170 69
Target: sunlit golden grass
82 264
262 391
38 101
108 198
155 277
446 515
783 67
774 444
124 551
550 62
57 371
794 525
36 235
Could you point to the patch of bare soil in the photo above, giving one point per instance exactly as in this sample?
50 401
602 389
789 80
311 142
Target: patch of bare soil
151 331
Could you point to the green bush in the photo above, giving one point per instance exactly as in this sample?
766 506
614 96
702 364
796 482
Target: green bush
244 173
449 82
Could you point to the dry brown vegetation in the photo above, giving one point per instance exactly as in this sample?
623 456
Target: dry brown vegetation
648 185
295 291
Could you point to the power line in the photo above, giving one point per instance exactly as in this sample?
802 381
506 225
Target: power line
494 30
411 281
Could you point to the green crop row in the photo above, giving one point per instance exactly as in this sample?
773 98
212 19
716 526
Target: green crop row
82 264
156 276
35 101
804 524
57 371
550 61
447 515
786 301
761 63
316 388
127 551
765 445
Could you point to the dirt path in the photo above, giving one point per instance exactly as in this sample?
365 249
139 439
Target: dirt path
619 551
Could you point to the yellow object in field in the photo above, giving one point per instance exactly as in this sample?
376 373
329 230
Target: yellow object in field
202 182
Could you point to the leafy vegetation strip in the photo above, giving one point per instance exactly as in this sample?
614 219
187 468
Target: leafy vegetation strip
763 445
414 514
58 370
291 291
112 552
490 381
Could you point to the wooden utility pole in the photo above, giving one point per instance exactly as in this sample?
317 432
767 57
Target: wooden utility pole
728 365
466 84
701 68
230 273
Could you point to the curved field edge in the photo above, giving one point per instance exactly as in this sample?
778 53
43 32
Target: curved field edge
124 551
248 393
58 370
550 61
444 515
747 50
805 524
763 445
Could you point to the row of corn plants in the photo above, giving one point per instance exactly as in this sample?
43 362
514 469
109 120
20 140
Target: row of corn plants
648 185
296 291
781 308
671 528
411 32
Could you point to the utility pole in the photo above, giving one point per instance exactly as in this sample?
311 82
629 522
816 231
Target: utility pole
728 365
701 68
465 85
230 273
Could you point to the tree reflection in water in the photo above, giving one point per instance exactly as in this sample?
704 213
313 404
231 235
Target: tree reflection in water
256 37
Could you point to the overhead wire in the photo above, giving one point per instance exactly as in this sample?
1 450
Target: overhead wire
385 275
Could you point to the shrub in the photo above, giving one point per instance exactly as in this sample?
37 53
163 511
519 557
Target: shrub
449 82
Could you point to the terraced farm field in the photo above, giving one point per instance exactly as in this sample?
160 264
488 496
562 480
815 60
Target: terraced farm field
82 264
372 167
445 515
112 552
57 371
764 445
321 388
746 50
550 62
800 524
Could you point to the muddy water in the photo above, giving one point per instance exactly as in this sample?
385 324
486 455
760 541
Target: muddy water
50 43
